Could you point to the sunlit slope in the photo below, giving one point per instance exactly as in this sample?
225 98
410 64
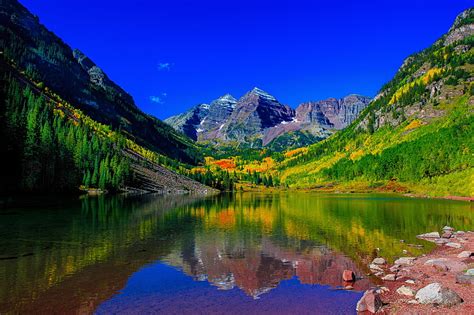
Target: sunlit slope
418 132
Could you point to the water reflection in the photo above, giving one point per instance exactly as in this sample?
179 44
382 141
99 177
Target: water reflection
73 255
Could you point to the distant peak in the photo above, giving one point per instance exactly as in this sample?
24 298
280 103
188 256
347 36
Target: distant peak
226 100
227 97
262 94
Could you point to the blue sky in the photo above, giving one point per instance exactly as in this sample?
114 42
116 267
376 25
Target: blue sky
171 55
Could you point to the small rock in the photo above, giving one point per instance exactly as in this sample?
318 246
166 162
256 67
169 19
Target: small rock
384 289
404 290
370 301
390 277
405 261
453 245
434 293
429 235
459 233
441 241
447 234
465 254
439 264
413 302
375 268
395 268
378 274
348 275
404 251
348 287
465 279
448 228
410 281
379 261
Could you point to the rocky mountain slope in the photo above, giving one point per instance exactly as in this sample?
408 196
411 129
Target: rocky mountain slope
258 119
71 74
416 136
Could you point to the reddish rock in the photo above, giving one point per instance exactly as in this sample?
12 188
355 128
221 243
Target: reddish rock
348 275
370 302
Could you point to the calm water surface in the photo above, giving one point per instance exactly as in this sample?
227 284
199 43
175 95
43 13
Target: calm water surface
243 253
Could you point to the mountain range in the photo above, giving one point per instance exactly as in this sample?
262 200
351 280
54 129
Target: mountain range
258 119
65 124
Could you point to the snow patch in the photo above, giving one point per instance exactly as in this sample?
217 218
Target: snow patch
199 130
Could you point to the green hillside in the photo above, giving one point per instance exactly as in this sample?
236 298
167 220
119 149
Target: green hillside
417 134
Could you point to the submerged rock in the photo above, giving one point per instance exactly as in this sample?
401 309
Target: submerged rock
370 301
434 293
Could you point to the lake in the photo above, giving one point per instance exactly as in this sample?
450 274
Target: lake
233 253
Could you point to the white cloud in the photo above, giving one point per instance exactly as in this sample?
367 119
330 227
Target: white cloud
158 99
165 66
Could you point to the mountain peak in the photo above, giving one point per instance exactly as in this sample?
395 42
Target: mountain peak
227 97
462 28
226 100
262 93
463 18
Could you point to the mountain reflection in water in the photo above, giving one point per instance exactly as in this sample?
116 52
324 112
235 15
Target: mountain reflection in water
244 252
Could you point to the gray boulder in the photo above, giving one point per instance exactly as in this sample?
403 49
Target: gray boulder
434 293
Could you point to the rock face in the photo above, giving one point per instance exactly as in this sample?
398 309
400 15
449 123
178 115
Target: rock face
332 113
254 113
436 294
258 118
461 28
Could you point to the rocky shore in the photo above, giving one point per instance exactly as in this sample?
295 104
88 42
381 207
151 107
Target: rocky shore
439 282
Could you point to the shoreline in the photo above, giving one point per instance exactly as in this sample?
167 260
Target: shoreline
360 190
441 281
